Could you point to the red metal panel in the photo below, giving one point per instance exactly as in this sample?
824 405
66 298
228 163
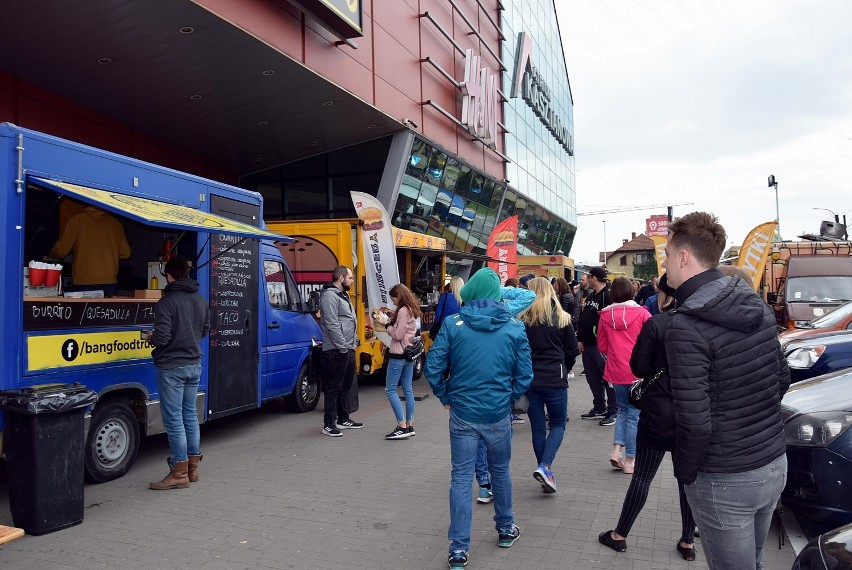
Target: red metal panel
400 21
440 129
396 104
397 65
330 62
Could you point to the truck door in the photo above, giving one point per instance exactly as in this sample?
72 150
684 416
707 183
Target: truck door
232 362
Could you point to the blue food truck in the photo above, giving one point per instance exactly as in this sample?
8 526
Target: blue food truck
263 336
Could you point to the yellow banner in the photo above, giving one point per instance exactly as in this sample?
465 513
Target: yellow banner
417 240
80 349
150 211
755 250
660 251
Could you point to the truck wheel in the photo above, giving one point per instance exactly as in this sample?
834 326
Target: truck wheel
305 393
419 365
112 444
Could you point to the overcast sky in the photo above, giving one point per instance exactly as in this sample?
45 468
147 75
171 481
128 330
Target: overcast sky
700 101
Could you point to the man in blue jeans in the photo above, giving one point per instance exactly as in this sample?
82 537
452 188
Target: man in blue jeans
183 319
728 376
479 395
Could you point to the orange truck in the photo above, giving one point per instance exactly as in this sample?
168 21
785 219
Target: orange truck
321 245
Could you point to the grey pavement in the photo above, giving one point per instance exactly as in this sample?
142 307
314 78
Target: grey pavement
275 493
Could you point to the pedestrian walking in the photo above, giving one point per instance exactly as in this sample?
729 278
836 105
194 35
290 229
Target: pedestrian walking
339 339
619 327
487 350
183 319
402 330
655 434
553 345
728 375
604 407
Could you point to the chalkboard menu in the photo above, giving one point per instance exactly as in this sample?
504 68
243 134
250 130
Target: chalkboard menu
59 314
231 287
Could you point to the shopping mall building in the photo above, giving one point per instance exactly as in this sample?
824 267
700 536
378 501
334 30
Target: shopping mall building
455 113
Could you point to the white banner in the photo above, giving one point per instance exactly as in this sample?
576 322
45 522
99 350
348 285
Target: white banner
380 264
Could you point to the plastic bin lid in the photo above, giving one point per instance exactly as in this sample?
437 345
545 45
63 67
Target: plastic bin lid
47 398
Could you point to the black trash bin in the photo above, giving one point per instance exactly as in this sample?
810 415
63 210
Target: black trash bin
44 454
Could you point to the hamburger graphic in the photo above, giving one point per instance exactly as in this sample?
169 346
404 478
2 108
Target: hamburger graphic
381 317
504 238
372 218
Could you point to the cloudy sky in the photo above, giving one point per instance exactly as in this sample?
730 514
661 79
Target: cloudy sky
700 101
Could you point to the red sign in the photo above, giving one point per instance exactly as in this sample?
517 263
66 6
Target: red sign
656 226
503 246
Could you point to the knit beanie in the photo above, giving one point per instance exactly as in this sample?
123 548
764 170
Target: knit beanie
485 284
526 279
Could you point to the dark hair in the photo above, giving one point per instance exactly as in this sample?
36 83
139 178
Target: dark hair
339 272
598 273
511 282
621 290
561 286
406 299
700 233
177 267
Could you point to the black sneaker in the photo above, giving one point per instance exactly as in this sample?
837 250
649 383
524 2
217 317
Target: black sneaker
594 414
331 431
507 538
349 424
608 420
606 539
411 431
398 433
457 559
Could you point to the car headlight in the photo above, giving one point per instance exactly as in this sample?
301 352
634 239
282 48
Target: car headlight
817 429
805 357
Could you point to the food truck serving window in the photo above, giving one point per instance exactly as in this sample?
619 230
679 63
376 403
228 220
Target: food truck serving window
157 213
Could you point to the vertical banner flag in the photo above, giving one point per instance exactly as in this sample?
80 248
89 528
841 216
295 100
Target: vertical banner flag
502 245
660 251
380 264
755 250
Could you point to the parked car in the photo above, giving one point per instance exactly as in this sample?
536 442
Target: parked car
829 551
819 354
837 320
817 415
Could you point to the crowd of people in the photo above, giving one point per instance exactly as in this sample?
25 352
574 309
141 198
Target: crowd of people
699 342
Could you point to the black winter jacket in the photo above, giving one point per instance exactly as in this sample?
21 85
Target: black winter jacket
568 302
587 324
728 376
183 319
554 351
657 420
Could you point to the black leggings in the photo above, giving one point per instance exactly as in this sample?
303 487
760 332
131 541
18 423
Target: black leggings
647 463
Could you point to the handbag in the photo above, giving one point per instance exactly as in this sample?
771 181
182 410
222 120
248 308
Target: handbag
413 351
640 387
436 326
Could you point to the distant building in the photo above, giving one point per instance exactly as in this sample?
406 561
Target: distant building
637 251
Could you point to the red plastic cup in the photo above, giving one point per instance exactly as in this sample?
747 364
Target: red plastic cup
37 277
51 278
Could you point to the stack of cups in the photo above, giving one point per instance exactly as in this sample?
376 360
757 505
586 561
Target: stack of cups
46 274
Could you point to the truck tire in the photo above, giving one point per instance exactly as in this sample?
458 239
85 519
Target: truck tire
419 365
113 442
305 394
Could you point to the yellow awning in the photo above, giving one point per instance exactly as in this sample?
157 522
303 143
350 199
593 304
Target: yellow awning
156 213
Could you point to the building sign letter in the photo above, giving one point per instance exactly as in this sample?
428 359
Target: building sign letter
479 101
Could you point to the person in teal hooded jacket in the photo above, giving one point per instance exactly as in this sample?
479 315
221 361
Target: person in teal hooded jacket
487 350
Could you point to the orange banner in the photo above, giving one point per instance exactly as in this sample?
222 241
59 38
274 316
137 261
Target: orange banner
755 250
660 251
503 246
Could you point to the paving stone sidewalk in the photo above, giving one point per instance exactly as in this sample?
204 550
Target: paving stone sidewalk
275 493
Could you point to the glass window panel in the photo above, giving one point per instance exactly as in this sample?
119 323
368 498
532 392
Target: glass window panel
435 170
306 199
419 159
365 157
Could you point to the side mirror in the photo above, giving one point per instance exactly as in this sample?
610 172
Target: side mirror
772 298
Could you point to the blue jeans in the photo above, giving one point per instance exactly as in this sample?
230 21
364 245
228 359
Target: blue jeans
733 512
481 467
627 421
545 445
399 369
464 440
178 390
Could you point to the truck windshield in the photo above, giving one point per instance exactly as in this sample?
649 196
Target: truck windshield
819 288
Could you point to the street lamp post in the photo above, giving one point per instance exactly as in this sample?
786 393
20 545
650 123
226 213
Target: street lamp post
773 182
604 230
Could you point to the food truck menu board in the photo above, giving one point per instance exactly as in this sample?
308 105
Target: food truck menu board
78 313
231 287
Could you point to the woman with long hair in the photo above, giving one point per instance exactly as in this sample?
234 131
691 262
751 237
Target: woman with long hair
554 348
656 432
565 295
450 300
618 328
402 328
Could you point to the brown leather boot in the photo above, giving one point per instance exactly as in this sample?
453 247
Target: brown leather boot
194 460
176 479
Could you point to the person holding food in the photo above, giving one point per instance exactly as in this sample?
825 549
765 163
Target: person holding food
402 328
